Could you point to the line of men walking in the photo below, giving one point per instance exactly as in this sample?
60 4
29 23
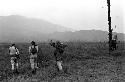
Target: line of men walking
33 51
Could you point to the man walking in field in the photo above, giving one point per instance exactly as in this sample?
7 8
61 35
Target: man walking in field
14 54
58 53
33 50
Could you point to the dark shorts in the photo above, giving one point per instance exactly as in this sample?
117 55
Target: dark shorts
58 56
14 59
14 55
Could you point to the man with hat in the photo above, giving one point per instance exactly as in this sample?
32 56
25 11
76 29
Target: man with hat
33 50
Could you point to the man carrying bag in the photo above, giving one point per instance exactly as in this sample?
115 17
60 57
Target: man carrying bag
14 54
33 50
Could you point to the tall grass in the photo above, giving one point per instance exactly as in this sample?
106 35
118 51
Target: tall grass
83 61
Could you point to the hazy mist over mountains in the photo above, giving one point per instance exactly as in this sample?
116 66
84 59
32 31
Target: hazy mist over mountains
17 28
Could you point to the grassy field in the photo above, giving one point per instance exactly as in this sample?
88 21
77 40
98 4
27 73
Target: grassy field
83 62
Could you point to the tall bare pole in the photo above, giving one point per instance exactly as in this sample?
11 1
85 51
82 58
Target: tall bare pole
109 23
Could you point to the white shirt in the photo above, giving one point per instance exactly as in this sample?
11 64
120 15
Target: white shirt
13 50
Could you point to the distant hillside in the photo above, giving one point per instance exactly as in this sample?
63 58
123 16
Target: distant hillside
86 35
16 28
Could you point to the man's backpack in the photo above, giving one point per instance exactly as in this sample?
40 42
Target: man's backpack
33 50
60 49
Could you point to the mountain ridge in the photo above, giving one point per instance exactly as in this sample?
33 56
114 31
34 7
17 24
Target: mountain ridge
87 35
16 28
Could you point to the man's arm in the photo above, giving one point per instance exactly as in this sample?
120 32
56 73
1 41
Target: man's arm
17 54
17 51
37 48
29 50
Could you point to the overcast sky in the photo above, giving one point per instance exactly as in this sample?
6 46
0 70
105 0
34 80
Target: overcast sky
75 14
